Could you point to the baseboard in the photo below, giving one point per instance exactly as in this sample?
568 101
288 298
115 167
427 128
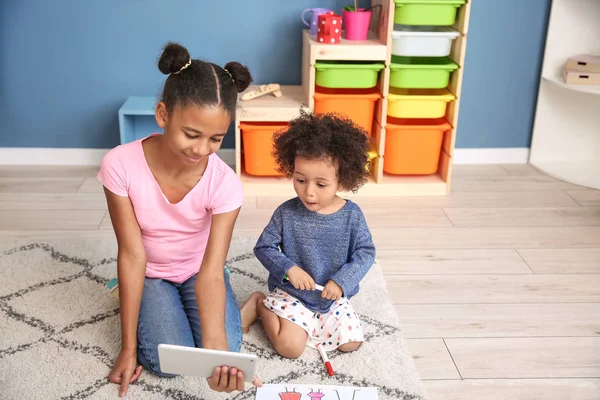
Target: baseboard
513 155
52 156
55 156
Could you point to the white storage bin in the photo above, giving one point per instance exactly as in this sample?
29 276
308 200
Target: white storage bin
422 41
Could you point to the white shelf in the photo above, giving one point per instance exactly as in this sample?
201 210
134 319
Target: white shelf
578 88
583 173
566 134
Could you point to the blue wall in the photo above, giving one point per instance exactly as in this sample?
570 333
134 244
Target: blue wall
66 66
505 48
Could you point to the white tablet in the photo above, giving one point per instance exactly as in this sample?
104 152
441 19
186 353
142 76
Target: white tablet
192 361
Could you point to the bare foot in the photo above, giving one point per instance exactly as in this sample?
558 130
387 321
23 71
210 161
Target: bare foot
249 310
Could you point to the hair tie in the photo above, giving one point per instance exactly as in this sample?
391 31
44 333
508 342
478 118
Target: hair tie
184 67
231 76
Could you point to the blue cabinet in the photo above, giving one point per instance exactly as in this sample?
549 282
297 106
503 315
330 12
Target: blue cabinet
136 118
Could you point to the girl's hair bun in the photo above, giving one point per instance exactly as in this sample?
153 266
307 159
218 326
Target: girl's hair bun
173 58
240 74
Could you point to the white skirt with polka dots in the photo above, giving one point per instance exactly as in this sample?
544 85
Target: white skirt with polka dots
340 325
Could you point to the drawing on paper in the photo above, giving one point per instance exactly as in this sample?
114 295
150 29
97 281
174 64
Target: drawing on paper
315 392
315 395
287 395
353 394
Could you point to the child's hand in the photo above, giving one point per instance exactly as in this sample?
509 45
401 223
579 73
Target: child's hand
300 279
332 291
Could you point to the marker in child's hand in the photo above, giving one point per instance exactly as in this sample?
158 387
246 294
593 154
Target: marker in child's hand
318 287
328 366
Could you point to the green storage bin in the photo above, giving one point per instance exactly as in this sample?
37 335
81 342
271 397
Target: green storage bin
421 72
426 12
347 75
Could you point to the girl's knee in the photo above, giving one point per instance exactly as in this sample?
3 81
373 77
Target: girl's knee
152 367
291 340
289 348
349 347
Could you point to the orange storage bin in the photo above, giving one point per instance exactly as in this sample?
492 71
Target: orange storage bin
413 146
257 142
356 104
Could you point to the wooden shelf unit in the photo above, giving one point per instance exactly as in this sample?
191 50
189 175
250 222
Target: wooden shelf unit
378 48
372 49
427 185
267 108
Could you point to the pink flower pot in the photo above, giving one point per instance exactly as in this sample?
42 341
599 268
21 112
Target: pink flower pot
356 24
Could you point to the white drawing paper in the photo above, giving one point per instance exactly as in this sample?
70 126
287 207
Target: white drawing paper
288 391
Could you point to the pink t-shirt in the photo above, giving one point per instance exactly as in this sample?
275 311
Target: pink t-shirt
174 235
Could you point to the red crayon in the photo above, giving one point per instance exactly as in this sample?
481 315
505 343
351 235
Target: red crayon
325 360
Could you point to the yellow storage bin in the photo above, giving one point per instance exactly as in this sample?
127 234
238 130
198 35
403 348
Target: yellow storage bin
418 103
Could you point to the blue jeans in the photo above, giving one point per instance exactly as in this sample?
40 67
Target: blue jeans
169 315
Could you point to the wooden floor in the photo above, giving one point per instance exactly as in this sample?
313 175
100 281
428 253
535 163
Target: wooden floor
497 286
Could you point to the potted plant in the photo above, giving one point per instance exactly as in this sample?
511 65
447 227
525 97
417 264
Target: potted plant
356 21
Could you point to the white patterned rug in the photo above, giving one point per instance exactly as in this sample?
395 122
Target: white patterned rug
60 331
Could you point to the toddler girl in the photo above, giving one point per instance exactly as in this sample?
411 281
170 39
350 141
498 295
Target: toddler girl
315 238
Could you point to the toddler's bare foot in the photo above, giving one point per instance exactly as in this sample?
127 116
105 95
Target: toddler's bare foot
249 310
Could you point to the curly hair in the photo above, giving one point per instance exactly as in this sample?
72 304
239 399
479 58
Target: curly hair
327 137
